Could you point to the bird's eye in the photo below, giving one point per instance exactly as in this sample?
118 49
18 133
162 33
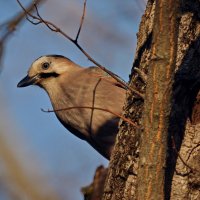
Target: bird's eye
45 65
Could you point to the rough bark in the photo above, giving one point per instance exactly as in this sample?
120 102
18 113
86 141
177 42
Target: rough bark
186 179
182 172
157 104
95 190
121 179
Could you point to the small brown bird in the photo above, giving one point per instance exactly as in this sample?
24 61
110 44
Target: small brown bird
81 98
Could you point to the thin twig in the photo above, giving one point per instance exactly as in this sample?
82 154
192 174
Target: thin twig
174 148
28 14
16 20
54 28
8 27
193 149
93 108
82 20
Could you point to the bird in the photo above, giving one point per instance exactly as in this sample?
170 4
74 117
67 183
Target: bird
86 100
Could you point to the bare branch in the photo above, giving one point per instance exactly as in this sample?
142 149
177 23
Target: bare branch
8 27
182 160
82 20
54 28
27 11
93 108
16 20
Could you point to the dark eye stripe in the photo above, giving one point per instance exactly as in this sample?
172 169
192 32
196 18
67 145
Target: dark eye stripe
47 75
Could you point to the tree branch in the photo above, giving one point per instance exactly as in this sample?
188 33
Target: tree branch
54 28
82 20
93 108
8 27
157 105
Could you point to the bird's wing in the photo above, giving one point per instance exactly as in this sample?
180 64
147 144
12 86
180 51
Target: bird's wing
99 73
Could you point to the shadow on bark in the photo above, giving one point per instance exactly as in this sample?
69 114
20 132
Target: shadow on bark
145 46
185 89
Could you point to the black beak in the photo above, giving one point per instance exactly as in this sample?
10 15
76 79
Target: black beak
26 81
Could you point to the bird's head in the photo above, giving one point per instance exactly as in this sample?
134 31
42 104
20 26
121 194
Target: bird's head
46 69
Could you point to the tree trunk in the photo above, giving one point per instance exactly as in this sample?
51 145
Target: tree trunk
157 104
182 174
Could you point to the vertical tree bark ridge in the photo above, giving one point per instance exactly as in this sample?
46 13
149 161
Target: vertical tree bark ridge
185 183
121 179
151 173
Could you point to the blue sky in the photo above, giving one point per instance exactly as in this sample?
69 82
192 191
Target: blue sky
38 139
